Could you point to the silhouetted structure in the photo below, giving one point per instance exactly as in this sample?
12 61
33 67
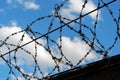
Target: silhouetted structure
106 69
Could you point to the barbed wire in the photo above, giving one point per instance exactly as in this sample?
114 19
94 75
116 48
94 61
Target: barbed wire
59 59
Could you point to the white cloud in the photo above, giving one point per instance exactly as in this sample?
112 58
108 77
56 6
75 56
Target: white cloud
31 5
43 57
74 49
1 10
20 1
75 6
9 1
28 4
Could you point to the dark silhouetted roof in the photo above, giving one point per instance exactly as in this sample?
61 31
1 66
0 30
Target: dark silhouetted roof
106 69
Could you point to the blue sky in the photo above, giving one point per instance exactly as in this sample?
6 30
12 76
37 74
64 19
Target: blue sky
15 15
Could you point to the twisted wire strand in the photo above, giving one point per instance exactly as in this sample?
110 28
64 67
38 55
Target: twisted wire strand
95 44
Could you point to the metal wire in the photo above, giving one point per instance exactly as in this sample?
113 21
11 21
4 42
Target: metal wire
64 23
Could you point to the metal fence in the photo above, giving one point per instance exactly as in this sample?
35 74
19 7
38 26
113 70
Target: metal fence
57 27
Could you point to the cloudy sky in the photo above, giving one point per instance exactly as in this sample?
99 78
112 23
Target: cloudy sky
15 15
